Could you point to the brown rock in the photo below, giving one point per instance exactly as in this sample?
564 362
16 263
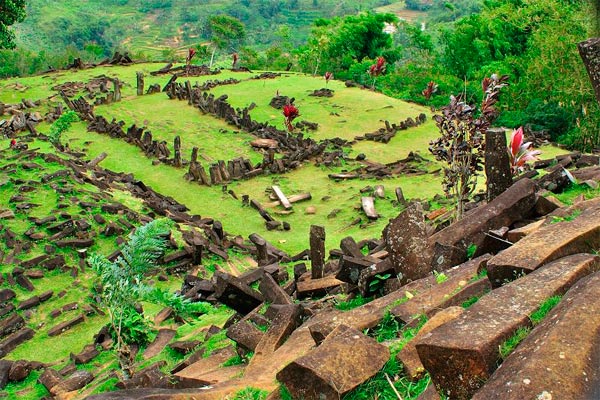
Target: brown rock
49 378
74 382
163 337
512 205
462 354
577 236
460 285
559 357
517 234
284 323
316 287
235 294
409 357
245 334
346 359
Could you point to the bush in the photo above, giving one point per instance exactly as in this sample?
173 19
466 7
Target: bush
540 115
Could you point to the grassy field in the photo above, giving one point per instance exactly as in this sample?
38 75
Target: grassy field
351 112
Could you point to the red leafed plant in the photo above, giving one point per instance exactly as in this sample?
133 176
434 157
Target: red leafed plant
191 54
377 69
234 58
461 143
290 113
328 76
520 153
431 88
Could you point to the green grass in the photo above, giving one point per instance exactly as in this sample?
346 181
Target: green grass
352 303
250 394
507 347
167 119
512 342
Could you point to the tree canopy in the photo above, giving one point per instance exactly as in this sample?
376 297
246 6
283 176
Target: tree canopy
11 12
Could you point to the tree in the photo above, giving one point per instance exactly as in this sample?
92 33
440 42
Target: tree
11 12
336 44
225 32
122 287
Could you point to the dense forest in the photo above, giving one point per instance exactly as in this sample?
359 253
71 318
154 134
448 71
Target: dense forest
448 46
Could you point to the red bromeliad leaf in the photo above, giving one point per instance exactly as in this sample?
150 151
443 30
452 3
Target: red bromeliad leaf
235 57
516 140
378 68
328 76
290 113
191 54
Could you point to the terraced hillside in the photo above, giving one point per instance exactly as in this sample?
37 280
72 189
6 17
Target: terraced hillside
349 113
212 154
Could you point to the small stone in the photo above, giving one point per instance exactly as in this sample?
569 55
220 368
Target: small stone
310 210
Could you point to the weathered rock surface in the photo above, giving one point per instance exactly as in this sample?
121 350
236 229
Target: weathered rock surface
343 361
406 242
462 354
409 357
544 245
559 357
512 205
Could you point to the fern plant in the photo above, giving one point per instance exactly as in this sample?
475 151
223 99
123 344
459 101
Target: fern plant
122 287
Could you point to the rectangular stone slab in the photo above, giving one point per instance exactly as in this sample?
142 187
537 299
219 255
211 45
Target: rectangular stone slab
346 359
13 340
282 326
560 356
316 287
233 293
63 326
245 334
408 356
208 364
458 287
461 355
547 244
512 205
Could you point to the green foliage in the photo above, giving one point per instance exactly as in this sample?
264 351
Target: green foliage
540 115
566 218
353 303
336 44
470 301
62 124
440 277
122 287
11 12
512 342
387 328
544 309
471 250
376 285
250 394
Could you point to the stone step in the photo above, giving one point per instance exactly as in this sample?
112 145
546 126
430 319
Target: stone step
544 245
512 205
461 355
13 340
163 338
559 357
63 326
343 361
208 364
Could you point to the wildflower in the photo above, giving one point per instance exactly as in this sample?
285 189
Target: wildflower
328 77
191 54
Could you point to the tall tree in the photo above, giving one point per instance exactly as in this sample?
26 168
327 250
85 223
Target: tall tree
338 43
225 32
11 12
